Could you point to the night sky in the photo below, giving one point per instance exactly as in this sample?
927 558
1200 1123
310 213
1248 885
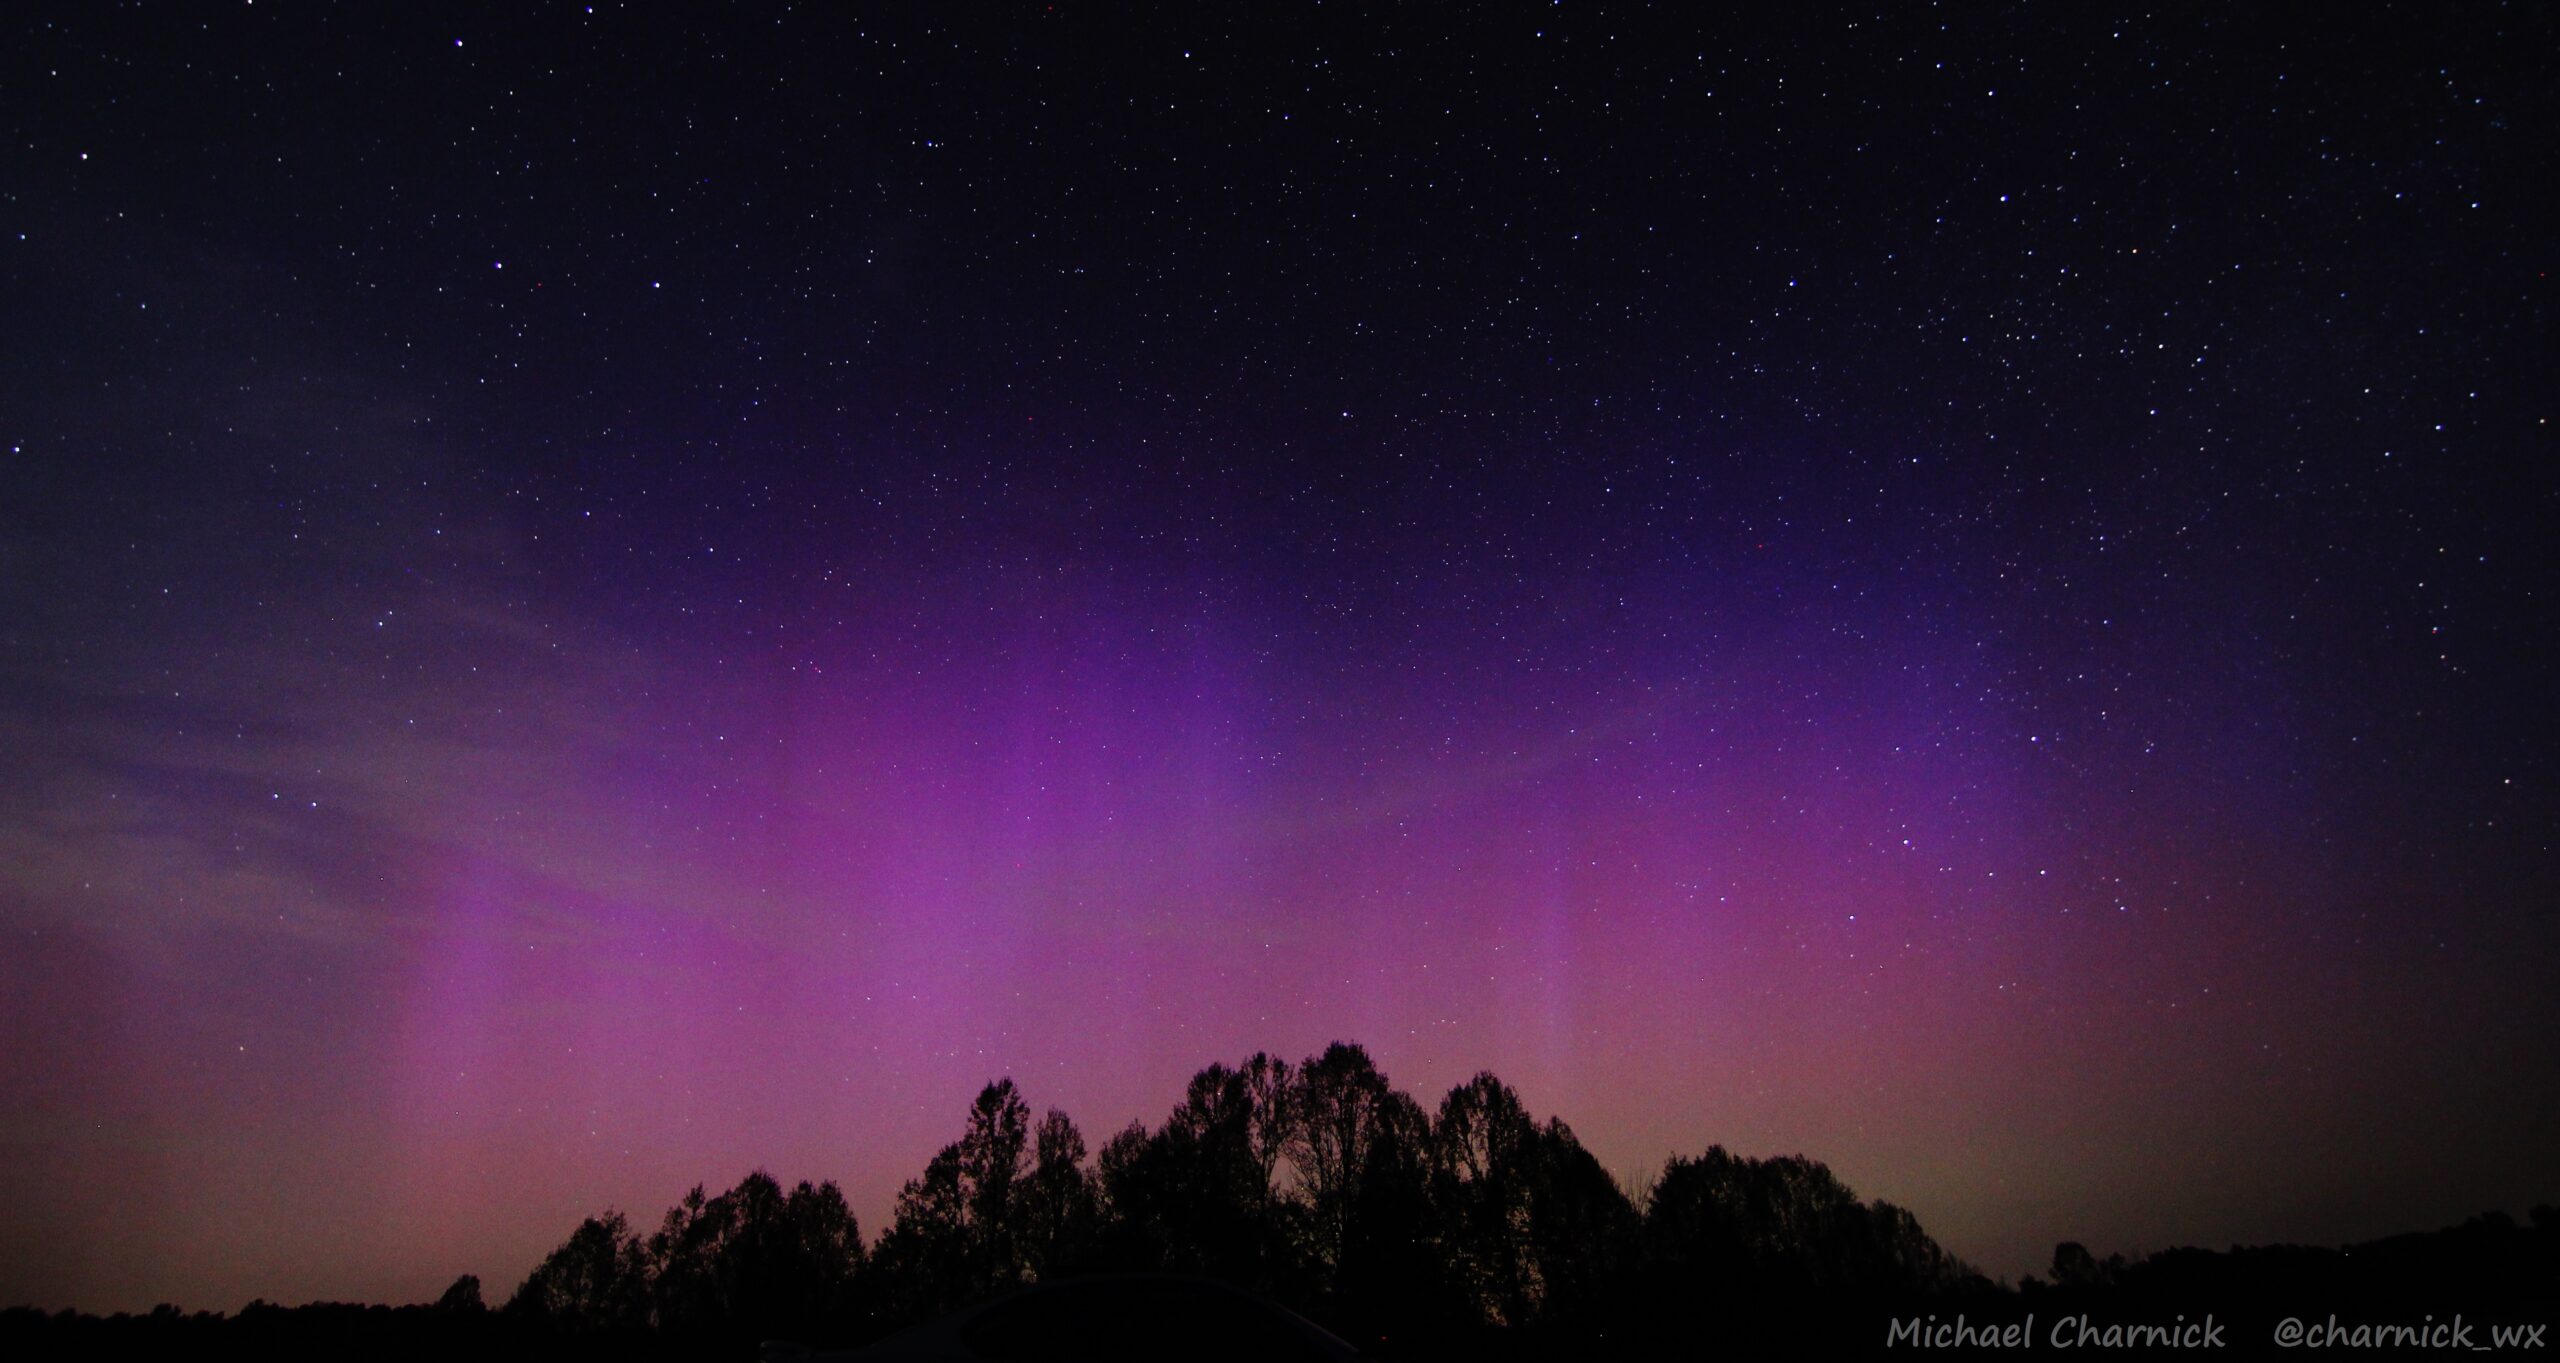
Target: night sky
592 599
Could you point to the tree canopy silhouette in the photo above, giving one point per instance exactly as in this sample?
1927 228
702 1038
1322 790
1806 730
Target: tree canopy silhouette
1318 1183
1472 1230
1462 1231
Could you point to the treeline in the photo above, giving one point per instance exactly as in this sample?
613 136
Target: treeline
1318 1184
2490 1268
1471 1230
2489 1271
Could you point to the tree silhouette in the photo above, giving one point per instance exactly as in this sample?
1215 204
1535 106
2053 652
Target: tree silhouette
463 1297
752 1260
1214 1158
1271 1091
1137 1199
1343 1109
1059 1210
992 1155
1783 1226
954 1236
685 1289
1319 1183
1582 1229
1473 1231
827 1249
598 1279
2075 1266
1361 1152
1484 1151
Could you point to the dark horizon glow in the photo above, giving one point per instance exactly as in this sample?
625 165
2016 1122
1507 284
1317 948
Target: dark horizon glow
595 607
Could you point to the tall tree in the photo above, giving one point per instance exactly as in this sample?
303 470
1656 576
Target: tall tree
1215 1156
597 1279
1057 1205
827 1258
1483 1150
754 1259
1582 1228
1361 1151
1137 1202
1271 1089
954 1234
1341 1097
992 1164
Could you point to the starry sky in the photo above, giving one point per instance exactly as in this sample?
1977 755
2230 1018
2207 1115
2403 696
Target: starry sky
595 597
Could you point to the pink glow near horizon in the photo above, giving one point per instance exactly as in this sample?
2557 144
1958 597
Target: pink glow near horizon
611 946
